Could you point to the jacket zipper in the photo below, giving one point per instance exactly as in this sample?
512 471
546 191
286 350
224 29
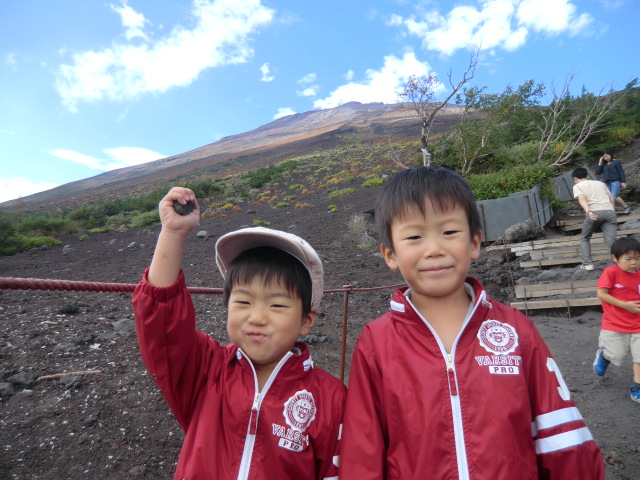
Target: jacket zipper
456 410
252 428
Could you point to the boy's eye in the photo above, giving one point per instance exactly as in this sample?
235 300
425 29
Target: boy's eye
413 237
450 232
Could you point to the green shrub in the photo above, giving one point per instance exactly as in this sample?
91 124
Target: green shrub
83 237
505 182
260 223
342 192
145 219
19 243
100 230
372 182
35 242
522 154
49 225
281 205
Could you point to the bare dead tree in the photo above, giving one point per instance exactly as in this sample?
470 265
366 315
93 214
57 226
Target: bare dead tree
566 125
419 93
393 155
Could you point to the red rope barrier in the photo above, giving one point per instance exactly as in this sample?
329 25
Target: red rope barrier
69 285
11 283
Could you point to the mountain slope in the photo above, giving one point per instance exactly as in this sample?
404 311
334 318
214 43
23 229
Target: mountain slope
284 138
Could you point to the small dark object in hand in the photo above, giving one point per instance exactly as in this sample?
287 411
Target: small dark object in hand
183 209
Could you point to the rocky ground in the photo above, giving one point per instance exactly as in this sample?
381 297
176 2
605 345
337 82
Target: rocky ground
108 421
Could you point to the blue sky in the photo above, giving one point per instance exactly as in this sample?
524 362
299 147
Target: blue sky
90 86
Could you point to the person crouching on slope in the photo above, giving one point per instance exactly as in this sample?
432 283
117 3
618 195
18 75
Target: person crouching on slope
256 408
450 383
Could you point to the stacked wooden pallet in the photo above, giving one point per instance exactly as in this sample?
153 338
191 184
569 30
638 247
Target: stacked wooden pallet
575 223
527 292
559 251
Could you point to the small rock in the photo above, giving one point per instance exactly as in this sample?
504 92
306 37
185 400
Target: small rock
185 209
202 234
68 249
6 389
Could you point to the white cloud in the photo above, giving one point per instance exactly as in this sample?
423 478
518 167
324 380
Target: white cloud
502 24
221 36
308 78
10 60
349 75
265 73
132 21
309 90
118 157
16 187
552 17
284 112
379 85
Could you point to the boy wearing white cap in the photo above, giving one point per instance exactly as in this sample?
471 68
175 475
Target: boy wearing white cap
255 408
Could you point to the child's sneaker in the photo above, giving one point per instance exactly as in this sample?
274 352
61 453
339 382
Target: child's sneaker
600 364
586 266
635 393
626 211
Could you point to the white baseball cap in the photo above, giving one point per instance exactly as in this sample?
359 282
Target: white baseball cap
232 244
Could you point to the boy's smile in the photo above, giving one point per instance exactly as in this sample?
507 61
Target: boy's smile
433 252
265 320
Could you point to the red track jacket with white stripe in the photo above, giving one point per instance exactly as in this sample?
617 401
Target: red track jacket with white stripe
494 408
289 430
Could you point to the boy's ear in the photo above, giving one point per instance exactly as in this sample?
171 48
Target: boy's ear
613 258
308 321
475 245
389 257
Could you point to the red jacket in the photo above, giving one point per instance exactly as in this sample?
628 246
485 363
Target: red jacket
495 408
290 430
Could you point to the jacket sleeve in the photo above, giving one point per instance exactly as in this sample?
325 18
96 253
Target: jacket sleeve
599 169
363 447
623 178
327 465
564 445
173 351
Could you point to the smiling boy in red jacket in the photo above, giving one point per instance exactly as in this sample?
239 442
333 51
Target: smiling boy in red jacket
256 408
451 384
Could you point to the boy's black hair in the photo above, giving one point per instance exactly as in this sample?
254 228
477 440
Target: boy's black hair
270 264
580 172
624 245
411 188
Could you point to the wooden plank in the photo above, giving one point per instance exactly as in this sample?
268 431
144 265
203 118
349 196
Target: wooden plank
563 291
563 251
555 242
577 224
548 289
561 261
567 303
578 219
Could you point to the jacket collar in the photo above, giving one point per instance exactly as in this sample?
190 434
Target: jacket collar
400 303
298 363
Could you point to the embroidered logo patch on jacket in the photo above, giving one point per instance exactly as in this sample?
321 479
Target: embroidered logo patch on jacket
500 339
299 412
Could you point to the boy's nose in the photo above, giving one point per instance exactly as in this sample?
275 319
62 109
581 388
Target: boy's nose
432 249
257 317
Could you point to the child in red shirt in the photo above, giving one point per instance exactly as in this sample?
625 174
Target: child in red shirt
619 290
